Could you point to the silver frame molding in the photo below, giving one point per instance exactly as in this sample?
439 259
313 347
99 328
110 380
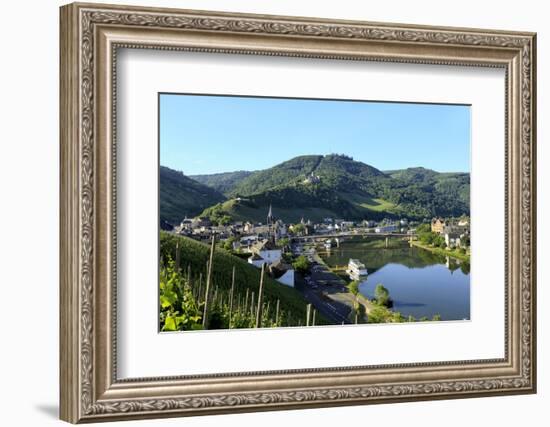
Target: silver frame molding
90 37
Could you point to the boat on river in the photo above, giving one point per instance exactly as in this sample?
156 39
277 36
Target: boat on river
356 269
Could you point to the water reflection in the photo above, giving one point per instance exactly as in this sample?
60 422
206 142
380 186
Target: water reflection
421 283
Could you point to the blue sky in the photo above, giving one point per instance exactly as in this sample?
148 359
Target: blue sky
210 134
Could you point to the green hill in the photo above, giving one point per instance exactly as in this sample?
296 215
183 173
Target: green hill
338 172
182 196
443 194
315 187
285 174
413 175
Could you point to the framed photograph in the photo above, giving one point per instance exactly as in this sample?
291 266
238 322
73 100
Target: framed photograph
266 212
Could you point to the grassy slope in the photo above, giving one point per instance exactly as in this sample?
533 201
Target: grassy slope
255 209
195 254
243 211
372 204
378 205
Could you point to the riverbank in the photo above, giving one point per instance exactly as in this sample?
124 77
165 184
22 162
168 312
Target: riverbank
417 294
348 299
439 251
343 295
332 288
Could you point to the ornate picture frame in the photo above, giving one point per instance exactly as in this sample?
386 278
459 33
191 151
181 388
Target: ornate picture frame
90 37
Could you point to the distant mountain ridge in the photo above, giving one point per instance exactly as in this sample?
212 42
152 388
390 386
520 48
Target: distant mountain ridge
297 169
223 182
317 186
182 196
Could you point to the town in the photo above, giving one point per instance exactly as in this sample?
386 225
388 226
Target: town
289 248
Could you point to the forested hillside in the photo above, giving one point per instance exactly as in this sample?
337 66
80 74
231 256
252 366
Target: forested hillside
316 186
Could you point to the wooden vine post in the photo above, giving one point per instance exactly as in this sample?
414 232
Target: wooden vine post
208 283
231 296
260 296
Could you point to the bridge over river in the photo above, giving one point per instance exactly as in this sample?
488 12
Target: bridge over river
319 237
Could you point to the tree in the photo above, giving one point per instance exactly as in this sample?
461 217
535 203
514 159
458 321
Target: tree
299 229
377 315
424 228
358 313
438 241
283 242
224 220
397 317
228 243
382 295
354 287
217 215
301 264
427 237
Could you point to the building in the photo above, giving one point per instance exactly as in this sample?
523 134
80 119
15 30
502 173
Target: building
262 230
346 224
312 179
452 240
186 222
321 228
438 225
389 228
248 240
238 227
222 231
267 250
282 272
256 260
464 222
279 229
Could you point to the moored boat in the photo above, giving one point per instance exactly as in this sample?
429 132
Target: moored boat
356 269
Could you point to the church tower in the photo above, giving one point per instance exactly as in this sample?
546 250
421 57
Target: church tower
270 216
271 224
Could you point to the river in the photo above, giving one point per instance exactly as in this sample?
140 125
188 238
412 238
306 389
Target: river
420 283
